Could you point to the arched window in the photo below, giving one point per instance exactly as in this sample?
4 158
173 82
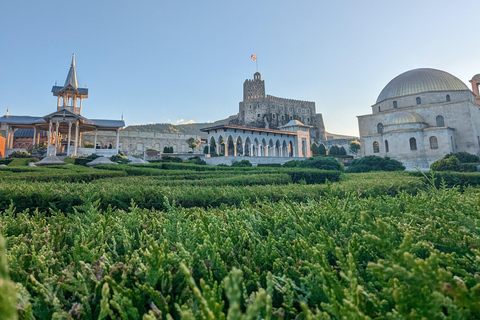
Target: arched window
282 117
250 106
419 101
380 128
259 115
376 147
433 142
413 144
448 98
386 146
379 109
440 121
394 104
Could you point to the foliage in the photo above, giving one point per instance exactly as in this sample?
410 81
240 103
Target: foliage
119 158
193 143
81 161
171 159
464 157
151 149
323 163
315 149
354 146
21 161
19 154
322 149
342 151
88 145
93 156
242 163
375 163
38 151
449 164
303 251
167 149
5 161
334 150
196 160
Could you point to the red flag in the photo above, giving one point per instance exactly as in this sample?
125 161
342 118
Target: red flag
254 57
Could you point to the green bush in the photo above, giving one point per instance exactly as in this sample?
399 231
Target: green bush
311 176
119 158
447 164
315 149
167 149
464 157
89 145
93 156
322 149
82 161
323 163
5 161
242 163
19 154
196 160
171 159
292 164
269 165
375 163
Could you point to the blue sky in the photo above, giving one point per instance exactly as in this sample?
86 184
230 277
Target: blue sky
174 61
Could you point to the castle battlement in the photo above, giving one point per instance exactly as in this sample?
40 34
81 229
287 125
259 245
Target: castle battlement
287 100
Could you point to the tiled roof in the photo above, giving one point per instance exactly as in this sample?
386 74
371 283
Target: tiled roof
28 133
21 119
56 89
106 122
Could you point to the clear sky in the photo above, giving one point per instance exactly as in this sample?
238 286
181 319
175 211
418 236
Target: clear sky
174 61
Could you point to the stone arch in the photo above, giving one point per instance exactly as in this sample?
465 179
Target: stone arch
278 148
271 148
248 147
264 148
284 149
221 145
257 147
291 153
230 146
239 143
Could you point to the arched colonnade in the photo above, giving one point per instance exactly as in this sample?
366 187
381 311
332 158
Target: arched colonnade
251 142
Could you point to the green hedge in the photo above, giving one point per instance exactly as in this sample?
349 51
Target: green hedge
5 161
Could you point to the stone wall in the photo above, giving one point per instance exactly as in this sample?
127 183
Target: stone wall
134 143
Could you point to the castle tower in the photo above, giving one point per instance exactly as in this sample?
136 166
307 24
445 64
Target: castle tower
254 89
475 84
70 95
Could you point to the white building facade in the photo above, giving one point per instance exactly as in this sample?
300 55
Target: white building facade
419 117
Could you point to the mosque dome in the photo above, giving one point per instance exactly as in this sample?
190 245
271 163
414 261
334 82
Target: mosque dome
477 76
419 81
401 117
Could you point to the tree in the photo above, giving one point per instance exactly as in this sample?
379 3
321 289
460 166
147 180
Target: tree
354 147
315 149
333 151
342 151
193 144
375 163
322 149
39 150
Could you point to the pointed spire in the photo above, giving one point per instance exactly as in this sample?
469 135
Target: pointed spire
7 112
72 75
122 115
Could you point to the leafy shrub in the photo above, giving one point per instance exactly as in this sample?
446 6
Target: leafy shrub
269 165
22 161
19 154
375 163
322 149
151 149
89 145
311 176
38 151
93 156
468 167
242 163
82 161
167 149
119 158
315 149
5 161
196 160
342 151
464 157
171 159
323 163
334 150
447 164
292 164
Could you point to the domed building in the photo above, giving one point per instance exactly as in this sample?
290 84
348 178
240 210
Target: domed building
420 116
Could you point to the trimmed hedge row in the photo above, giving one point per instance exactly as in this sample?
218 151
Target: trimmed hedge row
451 179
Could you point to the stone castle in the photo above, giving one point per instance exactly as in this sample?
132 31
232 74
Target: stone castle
265 111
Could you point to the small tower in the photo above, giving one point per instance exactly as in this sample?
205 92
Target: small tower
254 89
475 84
70 95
